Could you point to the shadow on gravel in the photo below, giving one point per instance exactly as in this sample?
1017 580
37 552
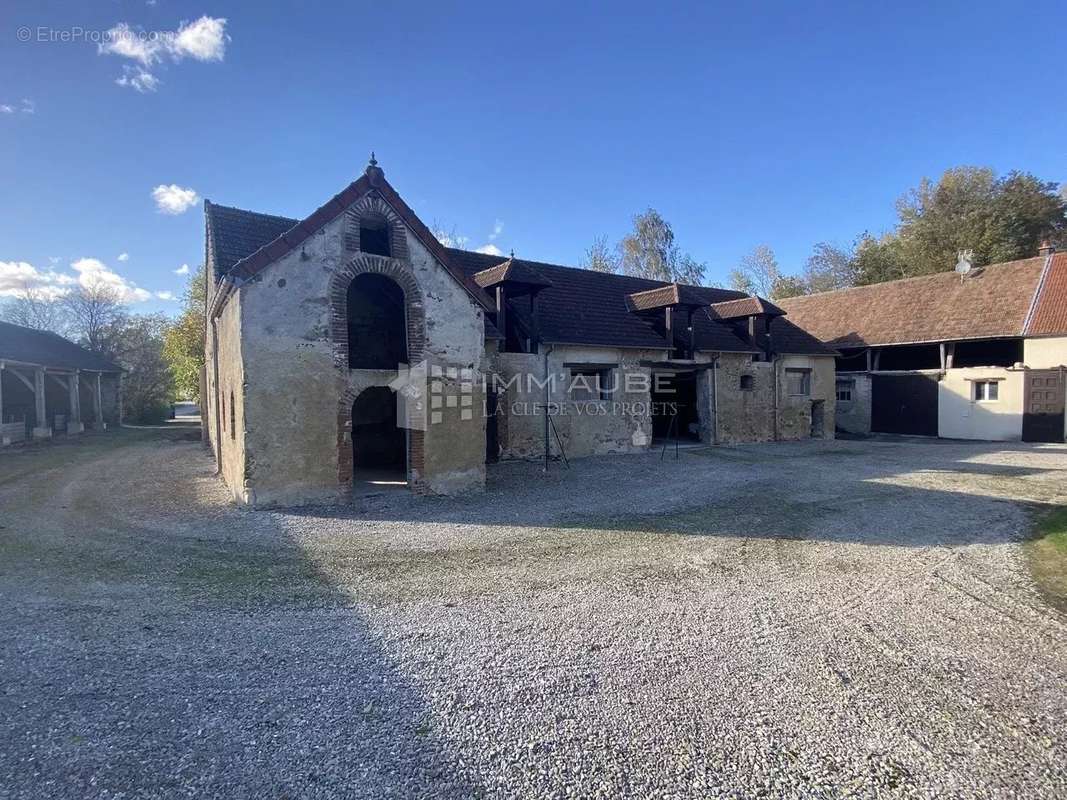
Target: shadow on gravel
216 660
866 494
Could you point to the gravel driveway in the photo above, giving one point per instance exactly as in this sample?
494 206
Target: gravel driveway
818 619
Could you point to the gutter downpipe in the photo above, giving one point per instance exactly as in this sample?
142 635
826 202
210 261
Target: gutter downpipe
215 383
715 399
547 350
774 365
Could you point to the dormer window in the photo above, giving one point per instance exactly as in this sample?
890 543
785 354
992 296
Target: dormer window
374 237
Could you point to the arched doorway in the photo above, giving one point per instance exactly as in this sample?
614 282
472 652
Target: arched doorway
379 445
377 323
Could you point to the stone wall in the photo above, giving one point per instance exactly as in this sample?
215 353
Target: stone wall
299 389
621 424
854 416
744 410
795 412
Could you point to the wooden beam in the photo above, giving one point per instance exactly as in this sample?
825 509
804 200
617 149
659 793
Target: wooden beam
21 377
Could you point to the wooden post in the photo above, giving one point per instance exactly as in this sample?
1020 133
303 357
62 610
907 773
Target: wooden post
869 364
877 359
74 421
42 430
99 404
941 347
950 355
501 315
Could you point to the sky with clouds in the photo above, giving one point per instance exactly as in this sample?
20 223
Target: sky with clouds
534 128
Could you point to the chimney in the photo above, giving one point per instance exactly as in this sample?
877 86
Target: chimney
1047 248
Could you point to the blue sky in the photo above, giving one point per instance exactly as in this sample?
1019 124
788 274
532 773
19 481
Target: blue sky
545 124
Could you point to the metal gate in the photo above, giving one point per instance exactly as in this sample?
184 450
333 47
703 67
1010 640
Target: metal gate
905 404
1043 406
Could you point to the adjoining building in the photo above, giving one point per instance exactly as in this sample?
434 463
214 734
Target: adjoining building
49 384
978 353
353 346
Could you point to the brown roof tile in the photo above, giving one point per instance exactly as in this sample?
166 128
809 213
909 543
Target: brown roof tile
991 302
745 307
1049 317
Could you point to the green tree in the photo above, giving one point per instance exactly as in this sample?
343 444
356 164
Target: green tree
649 251
827 268
968 208
600 257
183 344
147 383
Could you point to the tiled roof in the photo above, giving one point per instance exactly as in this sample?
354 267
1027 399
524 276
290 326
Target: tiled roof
990 302
511 270
235 233
586 307
672 294
1049 317
372 180
745 307
575 306
48 350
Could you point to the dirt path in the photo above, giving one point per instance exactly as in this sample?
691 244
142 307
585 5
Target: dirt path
809 620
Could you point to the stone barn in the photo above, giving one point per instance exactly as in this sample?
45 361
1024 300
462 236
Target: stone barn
352 348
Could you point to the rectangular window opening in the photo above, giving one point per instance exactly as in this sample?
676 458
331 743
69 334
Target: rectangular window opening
986 391
798 382
591 384
844 391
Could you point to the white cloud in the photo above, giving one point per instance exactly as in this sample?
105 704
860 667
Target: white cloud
138 79
204 40
201 40
93 273
498 228
18 277
27 106
489 250
174 199
182 270
165 295
124 257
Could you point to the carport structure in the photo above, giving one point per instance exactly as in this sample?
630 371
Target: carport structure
50 384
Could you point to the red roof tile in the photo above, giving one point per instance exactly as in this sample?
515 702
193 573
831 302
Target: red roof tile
988 303
1049 317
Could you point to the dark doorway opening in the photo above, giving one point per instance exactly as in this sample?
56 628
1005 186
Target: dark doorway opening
674 406
818 410
377 325
379 445
374 237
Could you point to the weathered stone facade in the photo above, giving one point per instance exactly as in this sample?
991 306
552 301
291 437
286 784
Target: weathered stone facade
285 388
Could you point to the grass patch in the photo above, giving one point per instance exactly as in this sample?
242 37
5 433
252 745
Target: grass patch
1047 553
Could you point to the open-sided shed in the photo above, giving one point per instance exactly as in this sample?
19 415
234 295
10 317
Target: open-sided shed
48 383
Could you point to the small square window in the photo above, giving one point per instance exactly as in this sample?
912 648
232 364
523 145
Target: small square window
591 384
748 383
986 391
798 382
844 391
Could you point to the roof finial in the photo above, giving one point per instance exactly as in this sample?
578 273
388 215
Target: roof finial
513 252
373 160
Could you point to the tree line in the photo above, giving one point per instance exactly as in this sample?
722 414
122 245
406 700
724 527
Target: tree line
998 218
161 357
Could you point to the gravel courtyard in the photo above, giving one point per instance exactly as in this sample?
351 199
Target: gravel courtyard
818 619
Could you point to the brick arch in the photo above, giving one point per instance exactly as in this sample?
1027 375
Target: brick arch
374 207
399 272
